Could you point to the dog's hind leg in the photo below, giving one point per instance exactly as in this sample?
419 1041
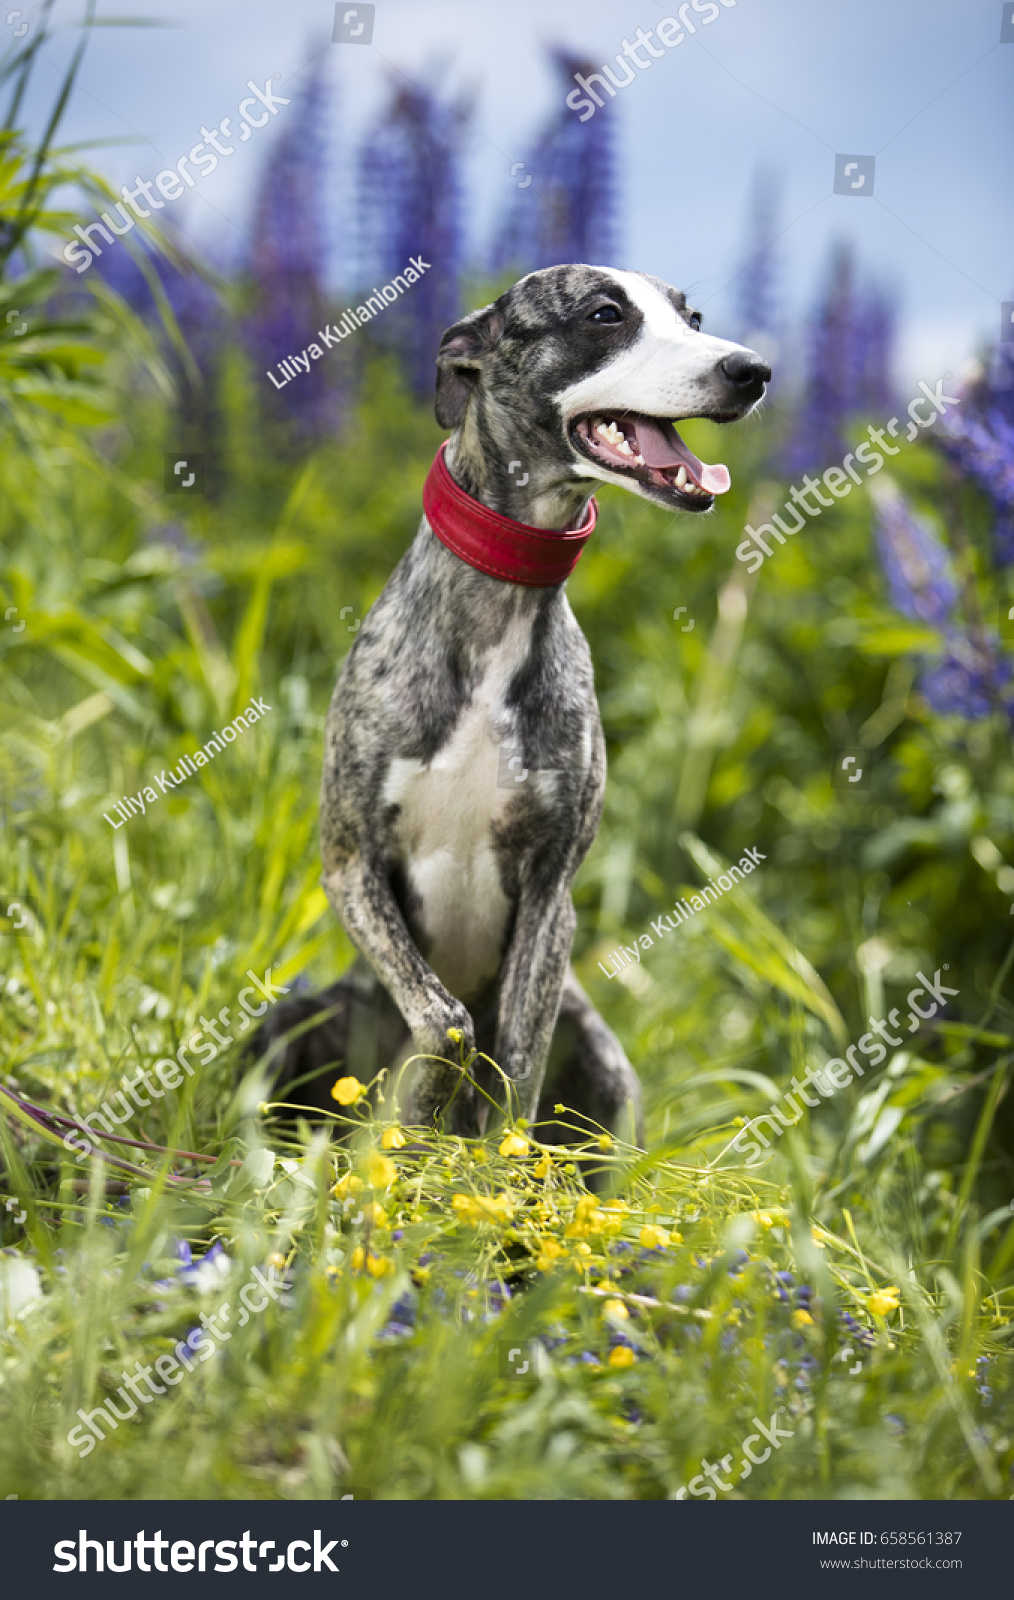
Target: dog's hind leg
360 1030
588 1072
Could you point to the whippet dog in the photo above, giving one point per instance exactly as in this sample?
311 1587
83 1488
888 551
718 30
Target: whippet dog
464 766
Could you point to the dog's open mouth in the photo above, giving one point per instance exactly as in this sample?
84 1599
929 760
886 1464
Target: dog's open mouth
650 449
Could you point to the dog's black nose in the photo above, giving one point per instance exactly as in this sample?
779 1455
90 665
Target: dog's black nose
747 372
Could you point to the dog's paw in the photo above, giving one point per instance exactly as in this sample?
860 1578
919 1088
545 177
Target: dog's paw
444 1028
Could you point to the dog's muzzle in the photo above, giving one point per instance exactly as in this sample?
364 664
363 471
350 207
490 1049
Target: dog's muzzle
748 376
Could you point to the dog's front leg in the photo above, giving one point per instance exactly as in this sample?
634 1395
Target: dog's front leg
531 985
361 896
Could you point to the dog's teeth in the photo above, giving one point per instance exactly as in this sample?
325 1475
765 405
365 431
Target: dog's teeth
681 478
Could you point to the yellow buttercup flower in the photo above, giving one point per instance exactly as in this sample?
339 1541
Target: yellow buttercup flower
476 1208
549 1252
514 1145
357 1258
653 1238
376 1216
379 1266
380 1170
801 1319
883 1301
622 1356
347 1091
615 1308
348 1185
392 1139
543 1168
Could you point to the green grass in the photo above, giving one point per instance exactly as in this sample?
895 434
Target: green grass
720 738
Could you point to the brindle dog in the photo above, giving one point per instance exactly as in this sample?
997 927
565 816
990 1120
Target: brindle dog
452 880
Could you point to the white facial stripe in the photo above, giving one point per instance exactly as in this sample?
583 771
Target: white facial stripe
667 372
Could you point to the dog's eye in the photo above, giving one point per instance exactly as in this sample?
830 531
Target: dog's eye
695 321
605 314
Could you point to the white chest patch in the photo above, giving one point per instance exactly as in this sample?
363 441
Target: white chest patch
448 810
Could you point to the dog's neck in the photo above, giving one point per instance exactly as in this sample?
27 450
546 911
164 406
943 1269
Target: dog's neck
537 493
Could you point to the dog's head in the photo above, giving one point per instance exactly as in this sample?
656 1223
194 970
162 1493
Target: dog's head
581 373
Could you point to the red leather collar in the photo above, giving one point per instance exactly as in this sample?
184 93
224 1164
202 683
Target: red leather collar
495 544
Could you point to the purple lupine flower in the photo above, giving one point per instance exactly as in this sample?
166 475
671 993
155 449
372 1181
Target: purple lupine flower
286 267
915 562
982 447
968 680
874 336
568 211
410 205
848 367
202 318
757 307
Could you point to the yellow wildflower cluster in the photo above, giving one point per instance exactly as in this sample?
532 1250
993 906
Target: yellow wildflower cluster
773 1217
589 1218
476 1208
348 1186
549 1251
883 1301
380 1170
653 1238
376 1266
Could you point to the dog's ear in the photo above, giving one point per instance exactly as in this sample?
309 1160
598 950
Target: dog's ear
459 361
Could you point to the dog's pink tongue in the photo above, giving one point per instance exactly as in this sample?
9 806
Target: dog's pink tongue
661 446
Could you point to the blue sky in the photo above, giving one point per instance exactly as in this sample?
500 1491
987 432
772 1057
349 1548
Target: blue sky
922 84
